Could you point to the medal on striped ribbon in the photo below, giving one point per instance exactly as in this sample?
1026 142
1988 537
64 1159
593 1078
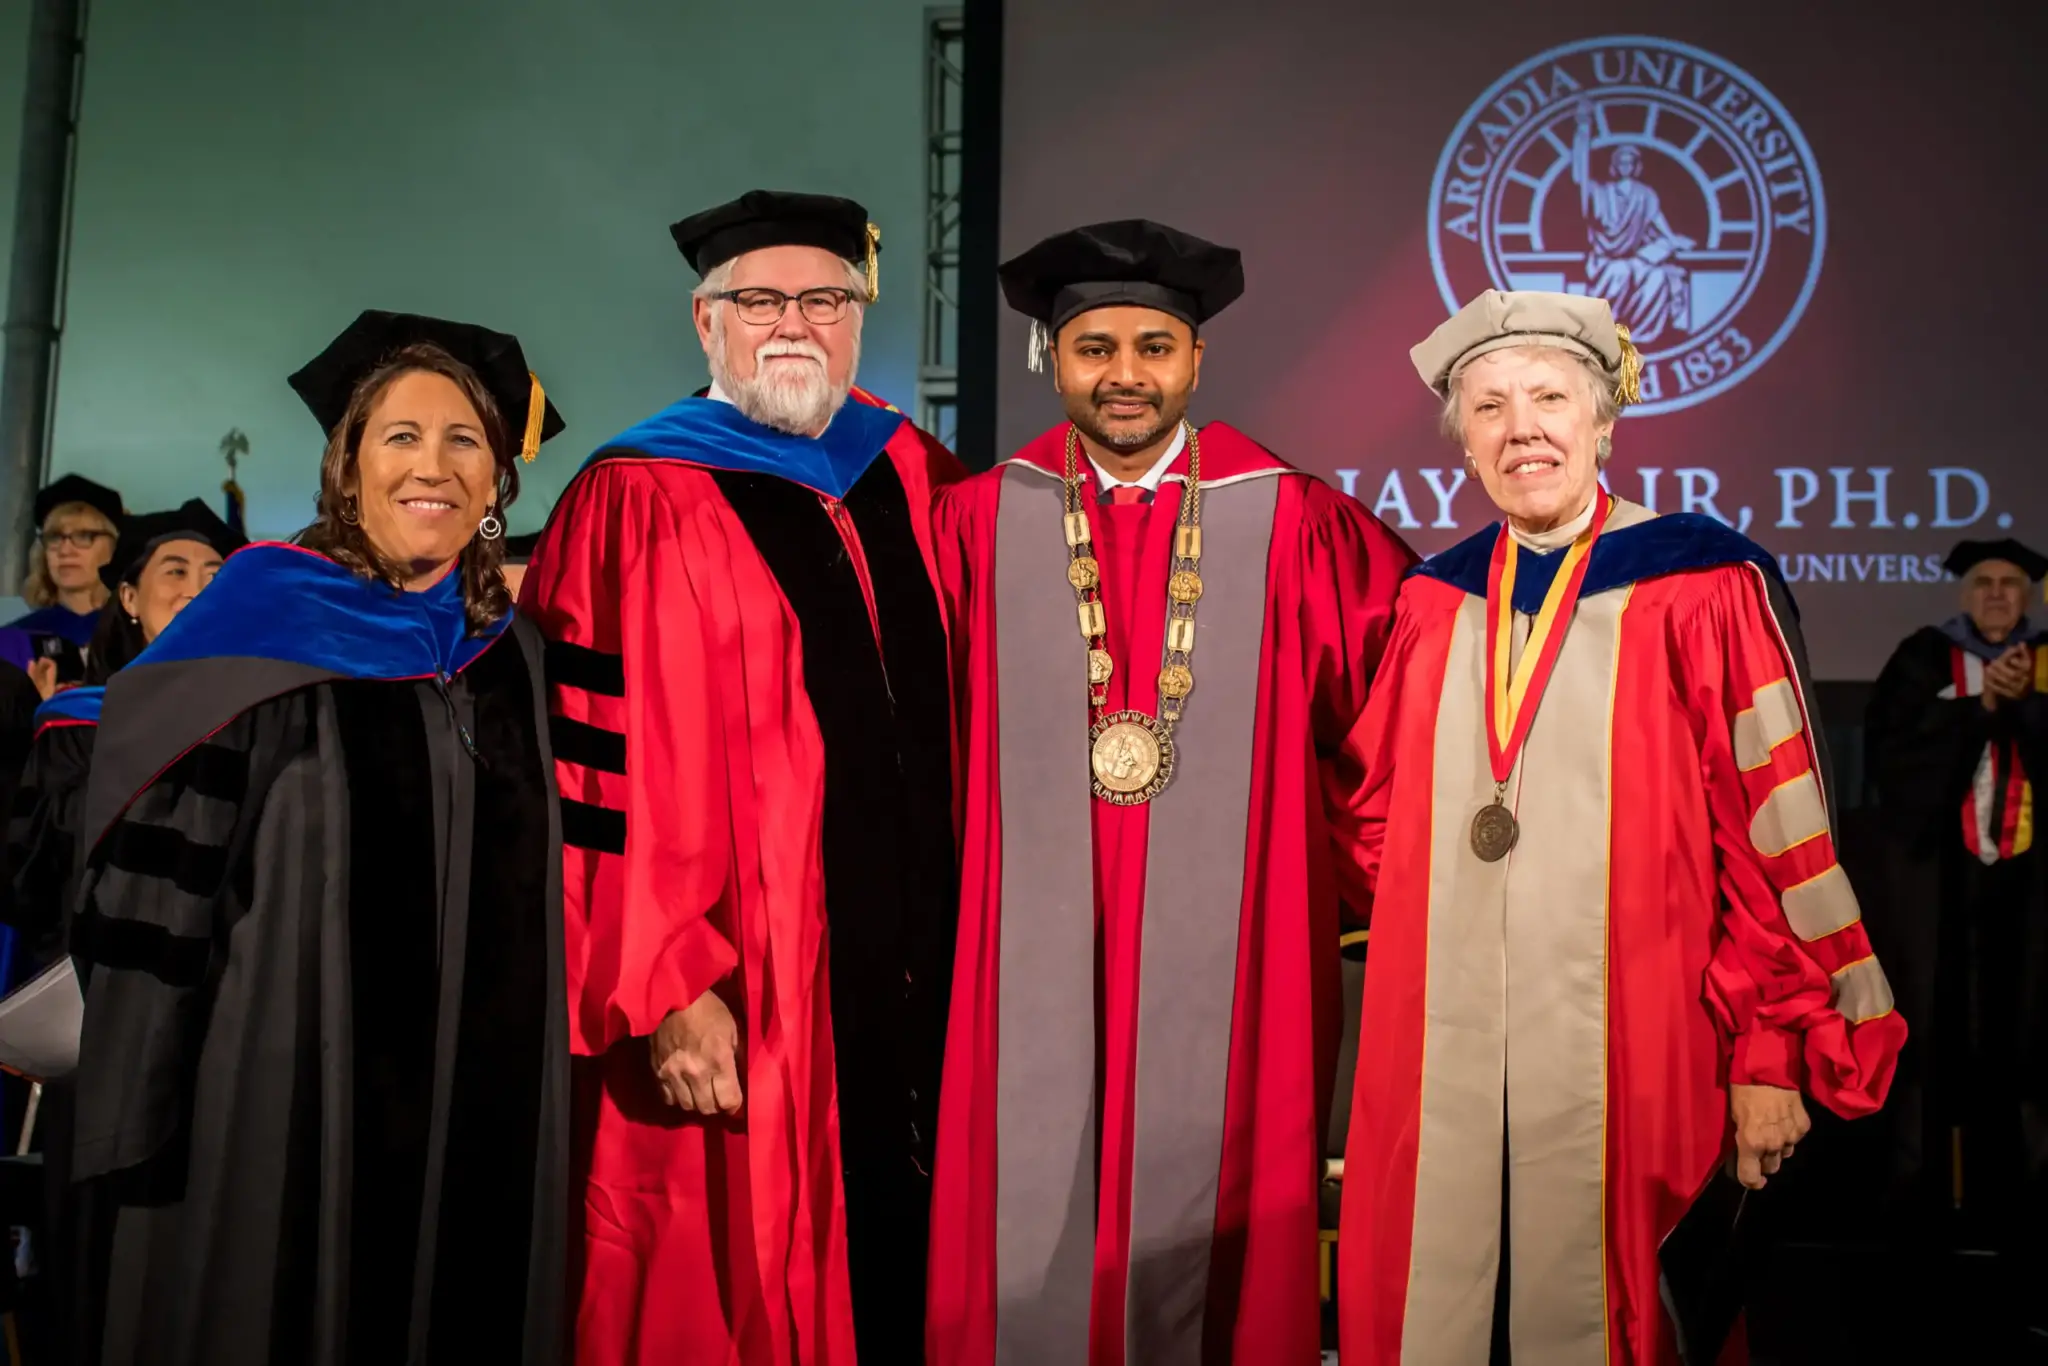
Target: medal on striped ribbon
1512 695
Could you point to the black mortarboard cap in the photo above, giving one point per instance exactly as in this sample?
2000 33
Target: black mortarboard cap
1130 261
1969 554
329 380
191 520
778 218
76 488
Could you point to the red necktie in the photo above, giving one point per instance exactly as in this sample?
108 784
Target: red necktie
1123 495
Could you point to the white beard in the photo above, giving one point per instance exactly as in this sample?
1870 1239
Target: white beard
790 396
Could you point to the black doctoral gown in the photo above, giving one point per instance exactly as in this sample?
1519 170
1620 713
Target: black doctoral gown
42 831
42 876
18 702
324 1067
1964 938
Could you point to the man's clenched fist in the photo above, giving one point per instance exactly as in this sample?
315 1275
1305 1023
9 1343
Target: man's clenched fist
695 1054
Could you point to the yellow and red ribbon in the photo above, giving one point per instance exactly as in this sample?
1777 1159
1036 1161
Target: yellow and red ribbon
1512 696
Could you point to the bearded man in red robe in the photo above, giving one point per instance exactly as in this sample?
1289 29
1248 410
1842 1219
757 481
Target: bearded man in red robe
1145 997
748 690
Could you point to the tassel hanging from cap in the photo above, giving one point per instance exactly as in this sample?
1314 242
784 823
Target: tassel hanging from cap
1628 385
536 414
874 265
1041 342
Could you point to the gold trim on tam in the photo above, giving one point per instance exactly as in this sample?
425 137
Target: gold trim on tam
1821 905
1771 719
1793 814
1861 991
1628 383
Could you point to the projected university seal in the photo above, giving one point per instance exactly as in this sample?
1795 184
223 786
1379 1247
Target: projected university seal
1651 174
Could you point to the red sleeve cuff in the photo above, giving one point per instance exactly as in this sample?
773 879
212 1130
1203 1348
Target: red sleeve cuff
1768 1056
688 965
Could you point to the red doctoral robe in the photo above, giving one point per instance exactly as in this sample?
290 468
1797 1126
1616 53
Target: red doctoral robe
1139 1177
749 713
1671 920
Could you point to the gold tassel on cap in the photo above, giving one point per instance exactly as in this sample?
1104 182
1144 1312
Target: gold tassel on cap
1628 388
536 415
874 266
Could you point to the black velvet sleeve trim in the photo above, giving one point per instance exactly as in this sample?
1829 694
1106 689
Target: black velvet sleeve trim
177 960
579 666
216 771
159 851
595 828
578 742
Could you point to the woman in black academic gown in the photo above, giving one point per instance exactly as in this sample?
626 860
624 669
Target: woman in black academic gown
162 561
325 1060
77 523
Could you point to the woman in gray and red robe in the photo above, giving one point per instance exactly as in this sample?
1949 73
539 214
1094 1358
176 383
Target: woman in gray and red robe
1612 947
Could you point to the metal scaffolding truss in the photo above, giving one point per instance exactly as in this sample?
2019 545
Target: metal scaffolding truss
939 352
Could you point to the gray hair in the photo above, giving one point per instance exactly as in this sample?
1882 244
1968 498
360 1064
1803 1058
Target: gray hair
1601 385
719 279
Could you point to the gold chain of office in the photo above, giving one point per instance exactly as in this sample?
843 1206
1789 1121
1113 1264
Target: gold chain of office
1130 753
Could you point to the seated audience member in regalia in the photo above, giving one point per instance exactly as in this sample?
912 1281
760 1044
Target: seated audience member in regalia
161 562
324 1061
1956 742
77 523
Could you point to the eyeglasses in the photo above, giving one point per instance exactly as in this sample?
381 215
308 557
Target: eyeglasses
78 540
761 307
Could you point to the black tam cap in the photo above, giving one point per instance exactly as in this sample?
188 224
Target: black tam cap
1969 554
778 218
329 380
1131 261
191 520
76 488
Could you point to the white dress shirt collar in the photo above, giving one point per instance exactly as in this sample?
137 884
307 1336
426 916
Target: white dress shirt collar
1149 481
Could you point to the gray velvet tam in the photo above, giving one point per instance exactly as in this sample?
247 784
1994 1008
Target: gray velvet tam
1496 320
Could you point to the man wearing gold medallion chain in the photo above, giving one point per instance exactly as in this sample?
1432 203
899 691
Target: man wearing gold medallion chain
1611 943
1144 1013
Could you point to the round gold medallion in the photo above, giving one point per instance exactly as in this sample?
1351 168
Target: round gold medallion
1184 586
1176 681
1083 573
1100 667
1130 757
1494 832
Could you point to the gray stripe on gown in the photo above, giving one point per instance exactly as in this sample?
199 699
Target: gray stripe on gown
1187 984
1045 1084
1045 1094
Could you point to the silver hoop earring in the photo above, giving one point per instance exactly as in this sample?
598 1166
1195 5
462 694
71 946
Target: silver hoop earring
348 510
491 527
1603 449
